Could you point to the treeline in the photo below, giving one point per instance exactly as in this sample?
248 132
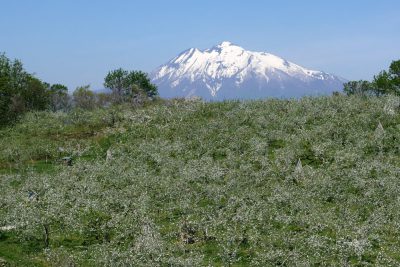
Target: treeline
21 91
386 82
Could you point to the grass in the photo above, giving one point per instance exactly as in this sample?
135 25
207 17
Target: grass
186 183
14 252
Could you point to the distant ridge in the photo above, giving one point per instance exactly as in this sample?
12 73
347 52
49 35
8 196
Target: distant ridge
227 71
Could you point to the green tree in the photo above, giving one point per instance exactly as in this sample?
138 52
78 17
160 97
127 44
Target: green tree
59 97
5 96
84 97
394 71
129 85
11 75
388 82
19 91
35 95
138 80
115 80
358 88
384 83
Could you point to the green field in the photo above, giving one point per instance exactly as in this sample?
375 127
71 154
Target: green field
310 182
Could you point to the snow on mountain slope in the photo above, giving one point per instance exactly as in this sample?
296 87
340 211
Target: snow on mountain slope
228 71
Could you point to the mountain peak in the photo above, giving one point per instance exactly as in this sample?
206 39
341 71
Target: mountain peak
228 71
225 44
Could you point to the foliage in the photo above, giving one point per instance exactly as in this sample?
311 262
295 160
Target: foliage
302 182
360 88
59 97
84 97
19 91
103 99
386 82
127 86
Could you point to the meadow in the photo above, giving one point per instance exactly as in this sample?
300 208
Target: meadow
307 182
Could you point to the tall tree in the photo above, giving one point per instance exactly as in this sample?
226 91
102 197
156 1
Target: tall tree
386 82
382 83
116 81
128 85
19 91
140 80
394 71
361 88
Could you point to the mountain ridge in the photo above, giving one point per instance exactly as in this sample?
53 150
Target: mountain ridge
228 71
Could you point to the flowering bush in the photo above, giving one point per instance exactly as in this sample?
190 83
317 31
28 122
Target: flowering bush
185 183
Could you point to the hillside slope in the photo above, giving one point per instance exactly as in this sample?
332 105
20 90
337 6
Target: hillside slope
301 182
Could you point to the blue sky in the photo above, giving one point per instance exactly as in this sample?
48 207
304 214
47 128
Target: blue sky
76 42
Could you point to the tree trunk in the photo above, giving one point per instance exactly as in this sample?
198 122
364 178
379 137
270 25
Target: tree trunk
46 229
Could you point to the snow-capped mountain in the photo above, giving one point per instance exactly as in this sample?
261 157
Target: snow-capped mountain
228 71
